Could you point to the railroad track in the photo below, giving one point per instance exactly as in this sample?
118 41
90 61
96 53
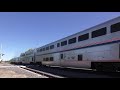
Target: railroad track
41 72
57 72
61 72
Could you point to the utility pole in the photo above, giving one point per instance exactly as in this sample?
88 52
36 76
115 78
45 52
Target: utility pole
0 52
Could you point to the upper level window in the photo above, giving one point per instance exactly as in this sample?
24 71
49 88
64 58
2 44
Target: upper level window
64 43
83 37
43 49
22 55
52 46
99 32
31 52
40 50
58 44
115 27
73 40
47 48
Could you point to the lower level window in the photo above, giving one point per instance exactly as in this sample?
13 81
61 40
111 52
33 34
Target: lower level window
43 59
47 59
51 59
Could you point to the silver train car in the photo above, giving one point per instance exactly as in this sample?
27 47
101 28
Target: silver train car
15 60
27 57
97 48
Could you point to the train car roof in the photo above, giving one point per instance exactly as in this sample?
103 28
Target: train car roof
105 22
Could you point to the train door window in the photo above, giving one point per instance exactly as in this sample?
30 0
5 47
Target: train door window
80 57
32 58
61 56
115 27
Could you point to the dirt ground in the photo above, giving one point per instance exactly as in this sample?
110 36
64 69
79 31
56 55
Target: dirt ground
4 73
12 71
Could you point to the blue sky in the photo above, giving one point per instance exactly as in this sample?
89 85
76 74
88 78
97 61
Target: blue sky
20 31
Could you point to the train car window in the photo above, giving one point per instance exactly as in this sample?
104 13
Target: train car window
47 59
22 55
40 50
47 48
73 40
115 27
51 58
80 57
43 49
52 46
61 56
43 59
64 43
58 44
83 37
99 32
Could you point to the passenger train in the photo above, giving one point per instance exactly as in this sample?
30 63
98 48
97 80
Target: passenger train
97 48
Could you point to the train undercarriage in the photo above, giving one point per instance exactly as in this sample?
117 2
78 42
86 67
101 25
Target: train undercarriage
106 66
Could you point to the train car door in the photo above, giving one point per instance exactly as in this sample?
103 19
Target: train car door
61 58
32 59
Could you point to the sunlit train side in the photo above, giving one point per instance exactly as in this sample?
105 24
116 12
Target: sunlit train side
28 57
22 58
97 47
15 60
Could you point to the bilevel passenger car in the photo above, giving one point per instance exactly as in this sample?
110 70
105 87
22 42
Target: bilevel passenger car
97 48
28 57
15 60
